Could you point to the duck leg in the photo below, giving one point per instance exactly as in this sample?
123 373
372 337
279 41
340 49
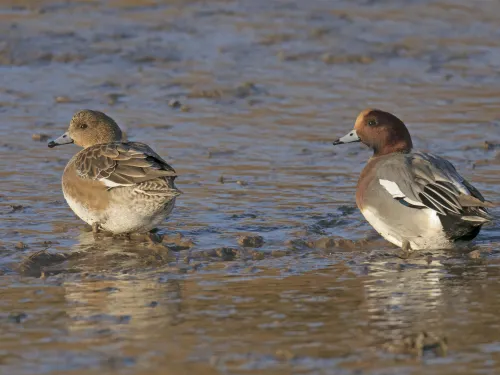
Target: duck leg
406 246
96 230
406 250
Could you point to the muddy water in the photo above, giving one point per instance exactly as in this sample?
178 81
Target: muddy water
265 87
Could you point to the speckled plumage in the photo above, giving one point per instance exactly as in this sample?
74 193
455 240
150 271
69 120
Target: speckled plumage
122 187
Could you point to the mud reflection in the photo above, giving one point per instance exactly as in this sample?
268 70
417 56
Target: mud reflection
273 321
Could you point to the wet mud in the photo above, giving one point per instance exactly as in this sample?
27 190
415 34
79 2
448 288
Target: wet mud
265 266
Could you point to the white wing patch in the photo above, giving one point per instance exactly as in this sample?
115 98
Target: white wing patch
393 189
111 184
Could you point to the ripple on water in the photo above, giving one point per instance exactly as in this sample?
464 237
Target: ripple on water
244 99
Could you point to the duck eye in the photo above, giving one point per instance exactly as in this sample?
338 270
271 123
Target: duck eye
83 126
372 122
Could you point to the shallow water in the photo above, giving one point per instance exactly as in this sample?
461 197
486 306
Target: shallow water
267 85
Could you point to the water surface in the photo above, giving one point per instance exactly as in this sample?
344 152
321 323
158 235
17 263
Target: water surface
266 86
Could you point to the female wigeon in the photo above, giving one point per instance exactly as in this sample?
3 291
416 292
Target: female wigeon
415 200
120 187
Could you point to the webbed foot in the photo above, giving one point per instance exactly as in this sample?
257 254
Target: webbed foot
406 250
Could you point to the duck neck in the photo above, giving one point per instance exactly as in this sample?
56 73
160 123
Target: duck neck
403 147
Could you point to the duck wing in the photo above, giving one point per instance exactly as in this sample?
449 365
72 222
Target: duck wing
423 180
122 164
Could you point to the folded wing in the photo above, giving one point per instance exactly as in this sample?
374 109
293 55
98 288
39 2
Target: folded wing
122 164
427 181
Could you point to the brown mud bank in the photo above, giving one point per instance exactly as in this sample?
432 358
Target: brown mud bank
266 266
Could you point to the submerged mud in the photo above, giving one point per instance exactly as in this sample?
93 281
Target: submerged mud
266 266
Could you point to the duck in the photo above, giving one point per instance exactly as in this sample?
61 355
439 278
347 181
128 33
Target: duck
415 200
114 186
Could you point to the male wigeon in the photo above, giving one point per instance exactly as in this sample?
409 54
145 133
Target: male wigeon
415 200
120 187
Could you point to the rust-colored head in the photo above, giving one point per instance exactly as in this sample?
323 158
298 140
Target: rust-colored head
381 131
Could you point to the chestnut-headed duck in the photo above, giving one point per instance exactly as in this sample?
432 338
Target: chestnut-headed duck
414 200
119 187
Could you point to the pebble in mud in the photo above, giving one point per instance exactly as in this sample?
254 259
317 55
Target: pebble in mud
490 145
273 39
62 99
241 91
419 344
193 267
20 245
34 264
279 253
245 89
296 244
320 32
284 355
40 137
174 103
329 58
17 317
208 94
113 98
181 246
475 254
211 253
151 238
257 255
226 253
17 207
327 243
485 145
154 238
251 241
178 242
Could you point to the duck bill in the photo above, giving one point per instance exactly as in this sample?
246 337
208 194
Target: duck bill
351 137
62 140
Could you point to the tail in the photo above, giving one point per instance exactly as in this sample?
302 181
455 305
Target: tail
479 220
475 207
477 213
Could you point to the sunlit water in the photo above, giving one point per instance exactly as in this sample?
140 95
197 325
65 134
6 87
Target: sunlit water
269 85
